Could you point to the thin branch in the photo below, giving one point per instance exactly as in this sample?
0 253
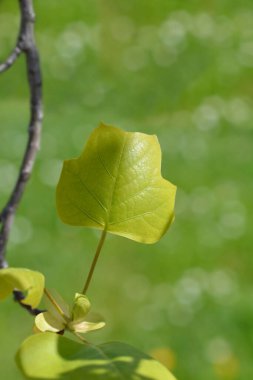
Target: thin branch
11 59
17 51
18 297
26 45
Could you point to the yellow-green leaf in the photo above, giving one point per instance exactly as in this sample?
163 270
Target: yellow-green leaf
85 326
81 307
25 280
116 184
48 322
51 356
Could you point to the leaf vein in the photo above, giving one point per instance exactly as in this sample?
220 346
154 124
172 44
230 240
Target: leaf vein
104 166
131 217
111 363
117 175
88 190
146 188
84 212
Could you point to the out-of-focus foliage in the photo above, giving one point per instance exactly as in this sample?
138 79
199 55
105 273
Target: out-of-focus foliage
181 70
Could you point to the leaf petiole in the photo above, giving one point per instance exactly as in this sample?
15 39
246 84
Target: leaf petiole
54 303
94 262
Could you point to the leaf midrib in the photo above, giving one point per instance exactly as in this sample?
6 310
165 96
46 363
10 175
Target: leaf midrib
92 194
110 362
107 222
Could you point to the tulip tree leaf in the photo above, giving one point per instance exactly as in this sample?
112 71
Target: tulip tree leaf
25 280
51 356
116 184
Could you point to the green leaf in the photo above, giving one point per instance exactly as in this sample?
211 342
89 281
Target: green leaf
79 322
81 307
51 356
116 184
84 327
25 280
48 322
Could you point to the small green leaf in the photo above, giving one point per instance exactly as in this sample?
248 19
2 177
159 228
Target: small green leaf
25 280
116 184
79 322
48 322
81 307
85 326
51 356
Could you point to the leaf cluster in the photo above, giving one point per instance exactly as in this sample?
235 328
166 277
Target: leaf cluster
116 186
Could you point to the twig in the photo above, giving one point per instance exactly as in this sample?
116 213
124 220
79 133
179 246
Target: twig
18 297
25 44
12 58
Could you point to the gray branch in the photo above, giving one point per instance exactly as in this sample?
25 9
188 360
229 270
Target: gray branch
26 45
11 59
18 297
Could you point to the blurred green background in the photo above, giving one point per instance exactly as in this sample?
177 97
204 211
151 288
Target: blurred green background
182 70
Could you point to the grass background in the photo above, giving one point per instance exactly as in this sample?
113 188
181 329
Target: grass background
181 70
